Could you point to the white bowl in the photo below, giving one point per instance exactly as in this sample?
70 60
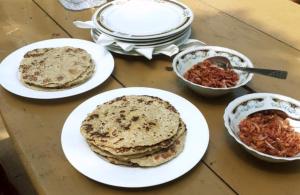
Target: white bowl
245 105
186 59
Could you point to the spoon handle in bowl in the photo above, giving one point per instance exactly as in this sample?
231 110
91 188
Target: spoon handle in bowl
280 74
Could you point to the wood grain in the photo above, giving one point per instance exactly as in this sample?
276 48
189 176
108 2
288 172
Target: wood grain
36 133
224 156
277 18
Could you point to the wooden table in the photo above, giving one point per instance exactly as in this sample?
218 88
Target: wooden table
266 31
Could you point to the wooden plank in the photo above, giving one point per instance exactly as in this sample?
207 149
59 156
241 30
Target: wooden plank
36 133
214 28
22 23
226 158
40 143
276 18
217 28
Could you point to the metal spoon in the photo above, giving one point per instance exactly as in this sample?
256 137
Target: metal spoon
223 62
293 122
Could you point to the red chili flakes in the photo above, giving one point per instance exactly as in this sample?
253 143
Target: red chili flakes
269 132
208 74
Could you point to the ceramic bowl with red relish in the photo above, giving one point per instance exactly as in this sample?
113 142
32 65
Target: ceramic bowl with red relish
206 78
260 123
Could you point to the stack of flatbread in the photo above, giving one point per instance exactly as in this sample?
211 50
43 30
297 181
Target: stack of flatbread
55 68
135 131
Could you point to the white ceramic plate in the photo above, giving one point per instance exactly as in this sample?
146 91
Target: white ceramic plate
146 42
130 19
91 165
9 73
116 49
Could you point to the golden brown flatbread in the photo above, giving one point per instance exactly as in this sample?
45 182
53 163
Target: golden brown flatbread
56 68
129 122
154 159
143 151
135 130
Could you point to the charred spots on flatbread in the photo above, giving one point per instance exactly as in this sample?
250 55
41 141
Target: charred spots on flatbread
135 118
148 125
152 123
31 77
126 127
149 102
133 109
36 73
123 98
100 134
166 155
95 134
105 113
42 62
59 78
170 107
118 120
114 133
88 127
69 49
92 117
24 67
119 140
34 53
119 150
123 117
47 80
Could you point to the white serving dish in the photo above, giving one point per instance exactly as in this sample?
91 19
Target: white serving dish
91 165
10 78
245 105
186 59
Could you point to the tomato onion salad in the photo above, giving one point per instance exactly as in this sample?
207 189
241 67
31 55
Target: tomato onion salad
269 132
211 75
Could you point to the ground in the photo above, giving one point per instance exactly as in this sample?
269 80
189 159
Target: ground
13 179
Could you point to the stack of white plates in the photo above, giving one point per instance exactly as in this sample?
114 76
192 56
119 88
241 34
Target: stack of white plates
143 23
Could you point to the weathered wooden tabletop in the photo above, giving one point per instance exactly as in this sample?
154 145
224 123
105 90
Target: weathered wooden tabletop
266 31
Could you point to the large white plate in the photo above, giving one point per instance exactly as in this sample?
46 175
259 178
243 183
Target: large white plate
142 19
91 165
9 73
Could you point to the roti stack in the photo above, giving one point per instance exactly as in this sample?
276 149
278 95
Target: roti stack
55 68
135 131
